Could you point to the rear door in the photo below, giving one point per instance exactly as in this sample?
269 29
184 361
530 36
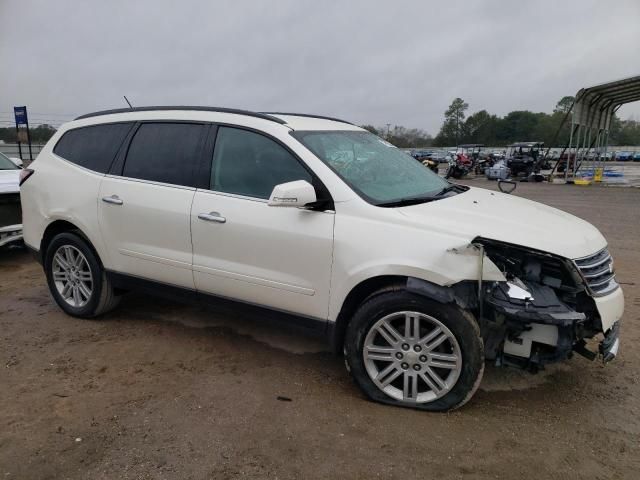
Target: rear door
244 249
144 204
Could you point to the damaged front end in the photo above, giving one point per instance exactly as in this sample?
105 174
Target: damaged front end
545 309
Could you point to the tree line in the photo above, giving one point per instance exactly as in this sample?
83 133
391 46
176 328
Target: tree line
522 125
39 135
402 137
492 130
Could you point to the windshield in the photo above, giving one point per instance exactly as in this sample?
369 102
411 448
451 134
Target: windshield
375 169
6 164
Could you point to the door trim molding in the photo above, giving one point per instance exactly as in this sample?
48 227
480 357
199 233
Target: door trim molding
154 258
263 282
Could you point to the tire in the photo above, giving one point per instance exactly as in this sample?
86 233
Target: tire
97 297
449 172
467 352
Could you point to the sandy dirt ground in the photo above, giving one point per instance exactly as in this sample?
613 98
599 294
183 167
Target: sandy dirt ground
162 390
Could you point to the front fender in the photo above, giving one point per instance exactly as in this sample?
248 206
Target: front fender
453 266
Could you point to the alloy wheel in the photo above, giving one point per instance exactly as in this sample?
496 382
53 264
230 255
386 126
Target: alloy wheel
412 357
72 276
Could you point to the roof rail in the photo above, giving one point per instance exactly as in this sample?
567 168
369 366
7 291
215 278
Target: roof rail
248 113
308 116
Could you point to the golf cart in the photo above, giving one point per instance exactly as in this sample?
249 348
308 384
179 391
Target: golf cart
525 157
471 151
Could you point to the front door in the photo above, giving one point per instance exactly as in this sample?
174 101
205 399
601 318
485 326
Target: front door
243 249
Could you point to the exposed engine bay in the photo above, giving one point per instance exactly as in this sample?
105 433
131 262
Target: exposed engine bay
544 311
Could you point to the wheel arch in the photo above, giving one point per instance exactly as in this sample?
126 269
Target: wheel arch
464 294
61 226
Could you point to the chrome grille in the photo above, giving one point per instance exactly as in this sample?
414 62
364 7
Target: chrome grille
597 272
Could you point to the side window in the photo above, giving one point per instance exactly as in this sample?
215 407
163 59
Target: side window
92 147
165 152
250 164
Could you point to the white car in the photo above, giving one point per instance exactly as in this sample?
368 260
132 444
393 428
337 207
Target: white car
10 213
417 280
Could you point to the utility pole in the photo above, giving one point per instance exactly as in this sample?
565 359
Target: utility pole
457 127
388 127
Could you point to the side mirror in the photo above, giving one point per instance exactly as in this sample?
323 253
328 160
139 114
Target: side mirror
292 194
16 161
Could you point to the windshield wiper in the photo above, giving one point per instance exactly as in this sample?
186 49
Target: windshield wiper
447 189
403 202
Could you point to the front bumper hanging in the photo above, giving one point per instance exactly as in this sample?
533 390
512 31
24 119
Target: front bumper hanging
611 344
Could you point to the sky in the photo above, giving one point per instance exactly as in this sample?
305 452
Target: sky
369 62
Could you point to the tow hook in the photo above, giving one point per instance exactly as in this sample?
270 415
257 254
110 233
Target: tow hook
581 349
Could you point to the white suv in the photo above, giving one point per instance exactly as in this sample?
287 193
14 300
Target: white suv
417 280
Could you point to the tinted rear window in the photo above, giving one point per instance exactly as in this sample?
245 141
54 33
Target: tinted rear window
92 147
165 152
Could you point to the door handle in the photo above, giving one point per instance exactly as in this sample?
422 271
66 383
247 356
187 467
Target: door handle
212 217
113 199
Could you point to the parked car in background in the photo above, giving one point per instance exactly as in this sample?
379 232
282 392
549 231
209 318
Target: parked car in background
622 156
440 157
15 160
497 155
421 153
10 210
636 157
416 280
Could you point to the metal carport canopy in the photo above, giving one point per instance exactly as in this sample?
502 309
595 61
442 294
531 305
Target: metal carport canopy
595 105
591 115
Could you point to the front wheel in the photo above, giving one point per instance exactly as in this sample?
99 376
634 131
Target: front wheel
449 172
458 173
407 350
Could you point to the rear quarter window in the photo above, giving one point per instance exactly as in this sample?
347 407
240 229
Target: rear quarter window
93 147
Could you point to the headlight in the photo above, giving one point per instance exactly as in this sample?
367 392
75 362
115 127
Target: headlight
531 265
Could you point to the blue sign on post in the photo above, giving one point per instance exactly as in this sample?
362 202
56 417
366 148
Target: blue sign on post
21 115
21 119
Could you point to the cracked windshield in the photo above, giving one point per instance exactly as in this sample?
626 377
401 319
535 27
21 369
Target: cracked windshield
375 169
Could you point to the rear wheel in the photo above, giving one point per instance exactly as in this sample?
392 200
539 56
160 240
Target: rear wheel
76 279
407 350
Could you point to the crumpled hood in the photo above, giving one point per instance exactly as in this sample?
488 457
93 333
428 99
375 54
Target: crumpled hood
507 218
9 181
